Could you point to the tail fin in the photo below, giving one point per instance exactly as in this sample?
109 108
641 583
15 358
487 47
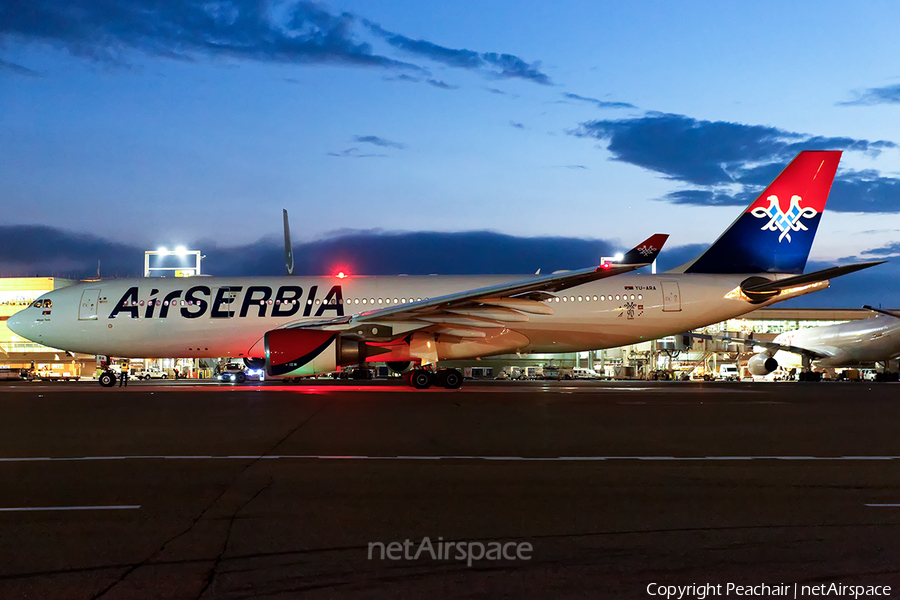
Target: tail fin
775 233
645 252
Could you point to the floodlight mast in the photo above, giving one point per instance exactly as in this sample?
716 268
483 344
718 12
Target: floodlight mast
179 251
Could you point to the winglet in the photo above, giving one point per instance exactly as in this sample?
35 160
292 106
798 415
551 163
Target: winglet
645 252
288 252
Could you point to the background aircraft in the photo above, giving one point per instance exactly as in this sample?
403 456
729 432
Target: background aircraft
853 344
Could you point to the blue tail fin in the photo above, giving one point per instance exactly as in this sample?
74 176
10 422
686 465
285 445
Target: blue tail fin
775 233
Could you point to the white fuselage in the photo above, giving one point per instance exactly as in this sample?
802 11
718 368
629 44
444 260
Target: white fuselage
216 317
846 344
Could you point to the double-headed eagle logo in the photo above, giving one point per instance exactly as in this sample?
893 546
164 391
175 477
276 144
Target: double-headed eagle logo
786 222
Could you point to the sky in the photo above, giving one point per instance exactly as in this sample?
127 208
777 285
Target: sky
421 137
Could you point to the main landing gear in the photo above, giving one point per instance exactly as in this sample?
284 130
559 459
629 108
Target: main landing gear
422 379
107 379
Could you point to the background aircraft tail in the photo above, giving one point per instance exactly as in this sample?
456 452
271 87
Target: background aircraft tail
775 233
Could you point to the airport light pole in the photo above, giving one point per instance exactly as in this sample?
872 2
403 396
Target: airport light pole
177 271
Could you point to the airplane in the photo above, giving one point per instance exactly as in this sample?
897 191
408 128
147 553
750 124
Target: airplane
852 344
303 326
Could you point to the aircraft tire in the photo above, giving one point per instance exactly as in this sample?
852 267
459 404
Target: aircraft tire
450 379
420 379
241 378
107 379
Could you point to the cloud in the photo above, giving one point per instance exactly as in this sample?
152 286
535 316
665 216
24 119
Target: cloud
496 91
884 95
889 251
728 163
5 65
378 141
493 64
31 250
517 125
291 32
404 77
599 103
354 153
441 84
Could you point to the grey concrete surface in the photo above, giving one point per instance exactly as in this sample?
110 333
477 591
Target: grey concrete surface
180 490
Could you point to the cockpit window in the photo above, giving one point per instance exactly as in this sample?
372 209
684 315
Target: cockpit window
48 303
38 304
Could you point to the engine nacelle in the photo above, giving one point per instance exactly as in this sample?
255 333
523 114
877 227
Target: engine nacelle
255 363
761 364
302 352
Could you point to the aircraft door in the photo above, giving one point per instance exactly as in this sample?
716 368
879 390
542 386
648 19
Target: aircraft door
87 311
671 296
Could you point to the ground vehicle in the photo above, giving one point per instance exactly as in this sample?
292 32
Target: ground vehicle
238 373
55 372
152 373
13 374
583 373
728 372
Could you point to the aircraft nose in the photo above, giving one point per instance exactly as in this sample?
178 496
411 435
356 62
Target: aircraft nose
15 323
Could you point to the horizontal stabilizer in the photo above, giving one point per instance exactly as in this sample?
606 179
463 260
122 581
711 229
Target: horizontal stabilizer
887 313
814 277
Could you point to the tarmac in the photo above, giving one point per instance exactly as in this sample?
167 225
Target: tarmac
567 489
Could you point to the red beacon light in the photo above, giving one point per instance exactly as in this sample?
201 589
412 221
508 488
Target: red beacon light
341 275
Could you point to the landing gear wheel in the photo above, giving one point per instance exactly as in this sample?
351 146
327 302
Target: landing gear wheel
107 379
241 378
450 379
420 379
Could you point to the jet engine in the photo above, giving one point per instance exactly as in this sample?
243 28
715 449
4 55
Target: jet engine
761 364
255 363
302 352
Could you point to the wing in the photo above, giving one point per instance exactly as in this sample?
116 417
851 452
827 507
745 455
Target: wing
495 305
774 346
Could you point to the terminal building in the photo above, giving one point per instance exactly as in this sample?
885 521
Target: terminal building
674 356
